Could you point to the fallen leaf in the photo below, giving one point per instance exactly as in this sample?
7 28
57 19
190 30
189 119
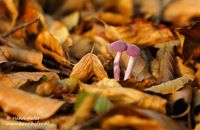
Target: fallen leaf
184 70
108 17
48 45
181 12
191 42
137 118
120 95
92 66
27 105
71 20
169 87
165 57
23 55
33 10
16 80
180 101
140 33
12 6
82 113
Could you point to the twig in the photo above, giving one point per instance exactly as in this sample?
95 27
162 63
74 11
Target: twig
21 26
4 42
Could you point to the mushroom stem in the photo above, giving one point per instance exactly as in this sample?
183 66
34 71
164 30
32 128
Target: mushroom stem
116 69
129 68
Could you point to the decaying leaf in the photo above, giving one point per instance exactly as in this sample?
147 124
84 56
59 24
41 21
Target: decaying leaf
48 45
13 9
22 55
27 105
33 10
184 70
71 20
141 33
92 67
170 86
191 45
136 118
165 57
119 19
121 95
182 12
81 114
16 80
180 101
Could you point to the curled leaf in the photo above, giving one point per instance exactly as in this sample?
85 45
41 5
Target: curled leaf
92 67
48 45
137 118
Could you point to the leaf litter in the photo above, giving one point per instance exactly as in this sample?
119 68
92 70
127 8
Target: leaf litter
58 73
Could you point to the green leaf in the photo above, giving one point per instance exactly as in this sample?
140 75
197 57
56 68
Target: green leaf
102 105
80 98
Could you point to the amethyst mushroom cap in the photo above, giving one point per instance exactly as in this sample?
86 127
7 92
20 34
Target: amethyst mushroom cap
133 51
117 46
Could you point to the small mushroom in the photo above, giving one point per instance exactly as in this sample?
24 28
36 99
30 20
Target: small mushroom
117 46
133 51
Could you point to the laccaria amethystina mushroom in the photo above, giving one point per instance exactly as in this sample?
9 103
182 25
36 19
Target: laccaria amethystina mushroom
117 46
133 51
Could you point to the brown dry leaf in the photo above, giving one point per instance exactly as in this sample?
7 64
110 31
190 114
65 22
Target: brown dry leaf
71 20
165 57
121 95
197 126
141 33
184 70
59 31
81 46
82 113
22 55
191 45
92 67
180 101
33 10
109 16
47 87
197 75
141 85
125 7
140 119
12 6
48 45
196 104
2 57
181 12
169 87
16 80
27 105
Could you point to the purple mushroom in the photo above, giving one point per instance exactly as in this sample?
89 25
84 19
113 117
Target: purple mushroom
117 46
133 51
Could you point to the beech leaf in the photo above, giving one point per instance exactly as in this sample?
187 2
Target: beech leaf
169 87
27 105
92 67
